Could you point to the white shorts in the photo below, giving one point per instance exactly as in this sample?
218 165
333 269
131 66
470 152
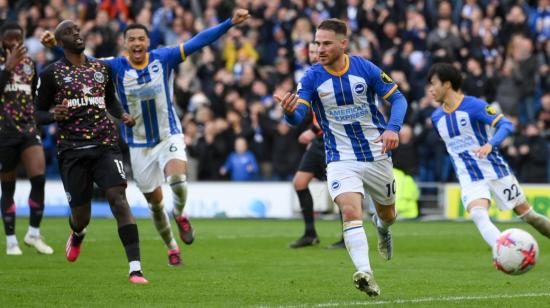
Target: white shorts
355 176
506 191
148 163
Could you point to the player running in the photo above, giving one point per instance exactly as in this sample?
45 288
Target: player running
81 89
464 123
144 84
19 138
341 91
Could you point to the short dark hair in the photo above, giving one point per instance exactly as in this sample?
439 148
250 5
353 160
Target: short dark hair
10 26
446 72
136 26
335 25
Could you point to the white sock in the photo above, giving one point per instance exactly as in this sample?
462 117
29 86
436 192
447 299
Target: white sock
357 245
162 224
135 266
11 239
178 185
488 230
33 231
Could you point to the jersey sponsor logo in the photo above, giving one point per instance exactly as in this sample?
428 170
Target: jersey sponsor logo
385 78
491 110
348 114
68 79
360 88
462 143
87 101
18 88
98 76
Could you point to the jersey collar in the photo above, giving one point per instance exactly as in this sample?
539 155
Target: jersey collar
339 73
455 107
141 66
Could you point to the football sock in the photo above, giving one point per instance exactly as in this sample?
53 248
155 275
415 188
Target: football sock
539 222
135 266
36 200
11 239
8 206
33 231
162 223
357 245
488 230
178 184
129 237
306 203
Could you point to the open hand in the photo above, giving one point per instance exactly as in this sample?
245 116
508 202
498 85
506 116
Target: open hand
239 16
289 102
15 56
389 139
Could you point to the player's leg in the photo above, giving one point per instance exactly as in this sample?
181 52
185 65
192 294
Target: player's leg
8 163
149 178
346 189
108 173
380 183
173 161
301 181
538 221
509 195
35 164
476 197
162 224
78 184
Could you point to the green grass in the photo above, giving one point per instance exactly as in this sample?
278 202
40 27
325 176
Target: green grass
244 263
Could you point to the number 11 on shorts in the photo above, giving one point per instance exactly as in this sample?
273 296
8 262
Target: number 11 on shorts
120 167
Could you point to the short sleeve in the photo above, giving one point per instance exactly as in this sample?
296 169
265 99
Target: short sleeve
381 82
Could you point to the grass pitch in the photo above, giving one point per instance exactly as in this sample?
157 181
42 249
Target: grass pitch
246 263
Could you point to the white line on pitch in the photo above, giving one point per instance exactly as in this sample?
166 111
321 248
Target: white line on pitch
419 300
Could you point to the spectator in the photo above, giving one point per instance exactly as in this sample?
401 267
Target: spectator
241 164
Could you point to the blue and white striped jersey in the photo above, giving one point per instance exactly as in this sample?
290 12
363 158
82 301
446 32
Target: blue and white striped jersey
464 130
345 106
146 92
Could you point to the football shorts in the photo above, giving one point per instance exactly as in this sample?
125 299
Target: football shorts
506 191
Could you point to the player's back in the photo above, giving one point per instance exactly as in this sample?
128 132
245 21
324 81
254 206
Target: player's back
346 107
146 92
464 130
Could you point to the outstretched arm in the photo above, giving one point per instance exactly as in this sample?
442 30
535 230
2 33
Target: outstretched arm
210 35
295 112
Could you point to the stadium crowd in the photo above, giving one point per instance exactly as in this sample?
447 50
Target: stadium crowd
225 91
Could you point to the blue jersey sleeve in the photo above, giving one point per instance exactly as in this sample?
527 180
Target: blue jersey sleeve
487 114
382 84
306 92
171 55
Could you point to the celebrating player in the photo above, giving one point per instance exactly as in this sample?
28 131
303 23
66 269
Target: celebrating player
341 91
19 138
144 83
82 89
463 122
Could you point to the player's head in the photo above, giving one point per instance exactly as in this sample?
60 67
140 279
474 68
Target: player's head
331 39
67 35
11 35
312 53
136 42
443 78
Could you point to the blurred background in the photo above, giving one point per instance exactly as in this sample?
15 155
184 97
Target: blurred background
224 92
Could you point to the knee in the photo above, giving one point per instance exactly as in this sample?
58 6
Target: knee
178 182
156 206
300 183
350 212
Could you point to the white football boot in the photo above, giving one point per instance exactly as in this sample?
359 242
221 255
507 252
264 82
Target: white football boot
38 243
13 249
364 281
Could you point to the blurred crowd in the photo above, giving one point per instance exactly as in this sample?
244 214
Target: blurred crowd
224 92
